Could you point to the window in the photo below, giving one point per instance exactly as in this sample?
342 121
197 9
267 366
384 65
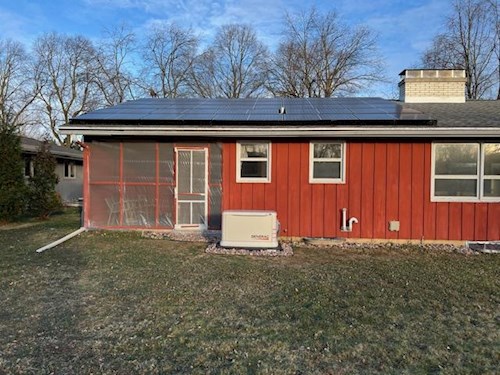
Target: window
326 162
253 162
28 167
466 172
491 170
69 169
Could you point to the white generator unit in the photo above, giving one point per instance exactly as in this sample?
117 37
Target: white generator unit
249 229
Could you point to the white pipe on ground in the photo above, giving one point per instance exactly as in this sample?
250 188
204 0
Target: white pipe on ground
61 240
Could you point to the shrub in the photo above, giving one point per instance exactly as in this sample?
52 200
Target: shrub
43 199
12 185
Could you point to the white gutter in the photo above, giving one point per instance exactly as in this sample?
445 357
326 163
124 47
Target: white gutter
61 240
277 132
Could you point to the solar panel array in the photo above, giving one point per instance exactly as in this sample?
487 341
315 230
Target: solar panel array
262 110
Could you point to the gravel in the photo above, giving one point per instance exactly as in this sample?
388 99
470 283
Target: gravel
186 236
394 246
213 237
284 249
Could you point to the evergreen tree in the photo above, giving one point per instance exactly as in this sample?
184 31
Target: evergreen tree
12 184
43 197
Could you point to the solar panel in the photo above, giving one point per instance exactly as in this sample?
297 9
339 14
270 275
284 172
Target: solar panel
226 117
221 110
303 118
125 116
161 117
196 116
375 116
338 116
263 117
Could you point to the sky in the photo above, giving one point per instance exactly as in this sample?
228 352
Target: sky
404 28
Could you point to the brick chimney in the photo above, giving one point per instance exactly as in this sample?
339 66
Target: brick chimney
432 86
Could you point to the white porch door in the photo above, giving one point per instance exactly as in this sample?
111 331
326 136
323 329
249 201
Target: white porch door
191 188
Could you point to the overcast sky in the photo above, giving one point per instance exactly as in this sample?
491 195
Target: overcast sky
404 27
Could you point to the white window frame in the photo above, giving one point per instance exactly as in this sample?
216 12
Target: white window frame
480 176
312 159
71 167
239 159
204 225
487 176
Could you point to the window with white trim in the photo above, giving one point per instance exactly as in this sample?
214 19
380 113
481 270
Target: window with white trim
69 169
253 162
326 162
465 172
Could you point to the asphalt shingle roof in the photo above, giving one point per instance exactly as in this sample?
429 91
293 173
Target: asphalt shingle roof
30 145
478 113
264 112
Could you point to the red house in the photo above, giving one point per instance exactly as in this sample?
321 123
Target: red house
426 167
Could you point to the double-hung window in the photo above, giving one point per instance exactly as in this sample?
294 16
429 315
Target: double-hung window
466 172
491 171
253 161
69 169
326 162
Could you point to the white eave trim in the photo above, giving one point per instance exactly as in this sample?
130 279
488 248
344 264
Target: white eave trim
281 132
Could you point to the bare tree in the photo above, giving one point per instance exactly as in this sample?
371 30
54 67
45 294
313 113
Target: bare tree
17 88
442 54
66 67
319 57
234 66
202 79
469 44
168 55
495 14
114 77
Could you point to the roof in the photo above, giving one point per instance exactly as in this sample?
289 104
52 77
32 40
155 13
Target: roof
31 146
289 117
255 110
476 113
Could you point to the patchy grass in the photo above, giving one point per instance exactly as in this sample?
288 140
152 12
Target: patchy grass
109 302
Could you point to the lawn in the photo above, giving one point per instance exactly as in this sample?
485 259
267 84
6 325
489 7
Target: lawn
110 302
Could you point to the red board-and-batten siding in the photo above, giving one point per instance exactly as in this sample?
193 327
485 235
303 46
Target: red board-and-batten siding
384 182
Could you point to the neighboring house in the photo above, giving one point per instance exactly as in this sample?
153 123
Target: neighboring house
69 168
405 169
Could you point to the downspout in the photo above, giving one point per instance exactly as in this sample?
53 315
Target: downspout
61 240
86 154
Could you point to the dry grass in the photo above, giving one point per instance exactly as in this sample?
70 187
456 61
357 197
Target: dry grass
116 303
